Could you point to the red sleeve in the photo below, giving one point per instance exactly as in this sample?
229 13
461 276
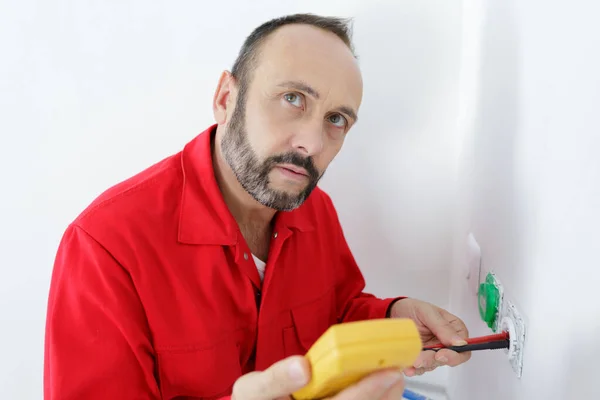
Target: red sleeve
97 339
352 301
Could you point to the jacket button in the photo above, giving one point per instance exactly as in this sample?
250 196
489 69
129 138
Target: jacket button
275 235
246 256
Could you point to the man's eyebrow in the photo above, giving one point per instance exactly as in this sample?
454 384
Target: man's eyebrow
349 111
301 86
304 87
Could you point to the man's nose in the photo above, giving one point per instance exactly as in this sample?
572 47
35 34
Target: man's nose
308 139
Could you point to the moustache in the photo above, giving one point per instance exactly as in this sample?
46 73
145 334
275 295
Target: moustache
294 159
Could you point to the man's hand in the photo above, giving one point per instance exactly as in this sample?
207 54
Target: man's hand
435 326
285 377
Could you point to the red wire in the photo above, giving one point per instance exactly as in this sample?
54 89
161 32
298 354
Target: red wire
476 340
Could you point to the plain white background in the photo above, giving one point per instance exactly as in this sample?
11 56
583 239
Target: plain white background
529 191
478 116
92 92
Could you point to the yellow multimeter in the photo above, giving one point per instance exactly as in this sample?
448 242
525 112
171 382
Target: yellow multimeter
348 352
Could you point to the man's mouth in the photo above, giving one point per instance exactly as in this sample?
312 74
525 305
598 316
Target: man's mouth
294 169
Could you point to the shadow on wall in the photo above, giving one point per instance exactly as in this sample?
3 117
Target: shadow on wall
496 196
492 206
581 367
391 181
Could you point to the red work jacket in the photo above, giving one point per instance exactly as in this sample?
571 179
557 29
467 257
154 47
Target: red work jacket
155 294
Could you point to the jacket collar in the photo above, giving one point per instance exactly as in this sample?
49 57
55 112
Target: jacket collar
204 217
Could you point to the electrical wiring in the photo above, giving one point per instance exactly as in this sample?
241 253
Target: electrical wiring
489 342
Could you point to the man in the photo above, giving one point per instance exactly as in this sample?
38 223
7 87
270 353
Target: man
211 273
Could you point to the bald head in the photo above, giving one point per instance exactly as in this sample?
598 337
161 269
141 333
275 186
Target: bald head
248 55
313 61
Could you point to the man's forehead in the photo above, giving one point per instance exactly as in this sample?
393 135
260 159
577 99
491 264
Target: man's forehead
300 53
306 43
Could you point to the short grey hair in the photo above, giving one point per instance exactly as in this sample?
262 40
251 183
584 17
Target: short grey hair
248 55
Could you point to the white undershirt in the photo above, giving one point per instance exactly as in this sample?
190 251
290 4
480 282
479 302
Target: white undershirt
260 266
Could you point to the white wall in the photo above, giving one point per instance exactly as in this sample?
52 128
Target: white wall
92 92
530 191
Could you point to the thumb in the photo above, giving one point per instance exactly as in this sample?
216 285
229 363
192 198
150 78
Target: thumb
442 328
279 380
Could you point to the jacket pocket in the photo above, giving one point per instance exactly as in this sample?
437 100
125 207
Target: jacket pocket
310 321
207 373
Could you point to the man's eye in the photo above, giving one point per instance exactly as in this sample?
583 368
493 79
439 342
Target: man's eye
338 120
293 99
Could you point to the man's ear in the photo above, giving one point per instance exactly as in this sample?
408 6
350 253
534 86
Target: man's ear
224 98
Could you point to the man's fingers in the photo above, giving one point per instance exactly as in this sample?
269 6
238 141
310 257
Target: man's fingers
412 371
457 324
395 392
279 380
428 358
425 359
451 358
442 328
374 387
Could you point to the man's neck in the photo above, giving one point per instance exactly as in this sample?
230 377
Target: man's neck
244 208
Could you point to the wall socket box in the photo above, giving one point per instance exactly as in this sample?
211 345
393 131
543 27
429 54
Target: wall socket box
498 312
512 322
508 318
